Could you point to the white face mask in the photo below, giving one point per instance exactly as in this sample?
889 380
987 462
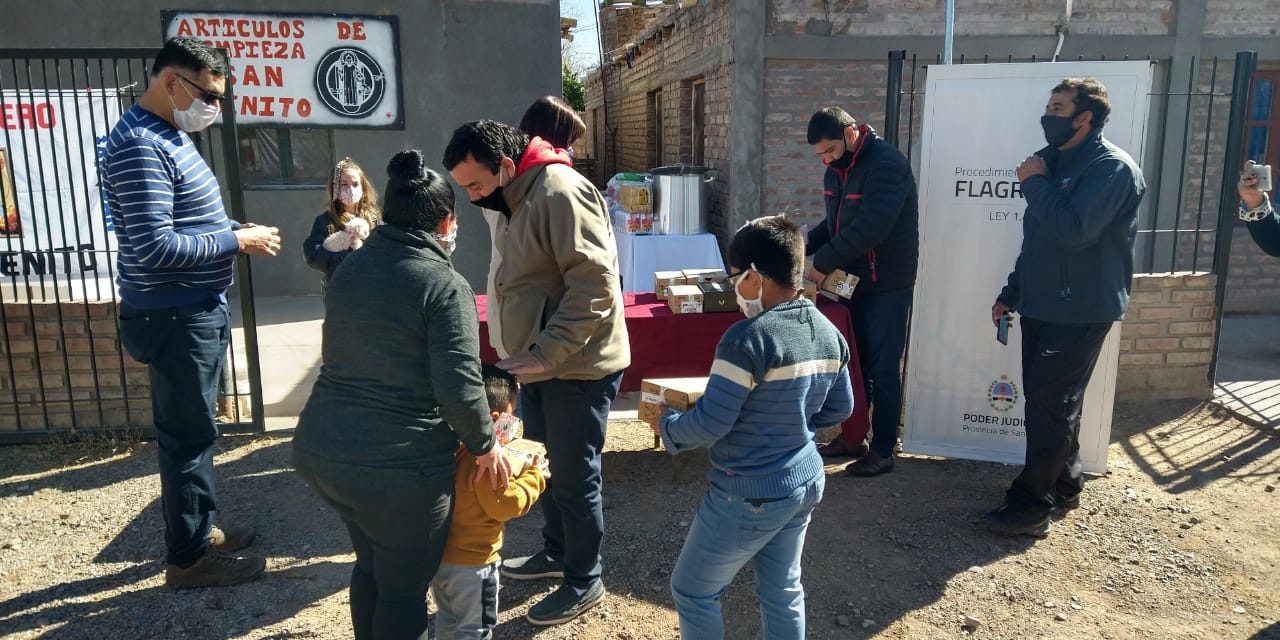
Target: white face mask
750 308
349 195
447 240
195 118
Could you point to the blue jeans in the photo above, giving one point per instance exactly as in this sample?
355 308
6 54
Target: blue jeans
182 348
466 602
880 330
570 416
730 531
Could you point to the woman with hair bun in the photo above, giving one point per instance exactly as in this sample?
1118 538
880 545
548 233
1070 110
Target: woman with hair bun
399 387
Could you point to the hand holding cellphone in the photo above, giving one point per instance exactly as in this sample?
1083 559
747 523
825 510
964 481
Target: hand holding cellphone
1002 330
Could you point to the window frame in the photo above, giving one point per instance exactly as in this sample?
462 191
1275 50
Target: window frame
284 143
1271 151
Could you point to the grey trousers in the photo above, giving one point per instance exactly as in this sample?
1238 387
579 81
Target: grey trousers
466 601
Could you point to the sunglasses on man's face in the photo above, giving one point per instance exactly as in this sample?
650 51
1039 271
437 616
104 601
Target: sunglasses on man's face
204 95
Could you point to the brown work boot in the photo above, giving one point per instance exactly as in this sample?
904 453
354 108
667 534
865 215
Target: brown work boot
231 538
214 569
226 409
839 447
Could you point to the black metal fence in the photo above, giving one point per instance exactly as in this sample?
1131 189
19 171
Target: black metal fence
62 370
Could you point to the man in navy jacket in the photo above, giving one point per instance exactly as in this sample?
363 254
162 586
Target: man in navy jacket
871 230
1069 284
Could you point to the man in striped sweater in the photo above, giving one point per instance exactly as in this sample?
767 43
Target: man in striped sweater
176 260
778 376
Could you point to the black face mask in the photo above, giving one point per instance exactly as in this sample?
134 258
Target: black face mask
494 202
843 161
1058 129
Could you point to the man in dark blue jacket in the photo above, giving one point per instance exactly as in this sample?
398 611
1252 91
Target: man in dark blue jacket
871 230
1257 212
1069 284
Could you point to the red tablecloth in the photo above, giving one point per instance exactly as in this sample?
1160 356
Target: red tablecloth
668 345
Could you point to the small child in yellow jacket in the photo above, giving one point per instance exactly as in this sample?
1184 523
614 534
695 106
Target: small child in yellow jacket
465 588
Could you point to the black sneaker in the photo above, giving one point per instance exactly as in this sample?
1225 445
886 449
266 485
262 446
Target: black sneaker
564 604
538 565
1011 520
871 464
1062 506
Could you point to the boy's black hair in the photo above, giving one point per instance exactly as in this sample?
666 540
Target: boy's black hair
488 141
774 246
499 387
190 54
829 124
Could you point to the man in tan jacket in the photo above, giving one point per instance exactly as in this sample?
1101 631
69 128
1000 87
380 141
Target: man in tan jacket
557 302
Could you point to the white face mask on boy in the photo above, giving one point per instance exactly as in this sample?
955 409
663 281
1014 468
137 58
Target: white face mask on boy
750 308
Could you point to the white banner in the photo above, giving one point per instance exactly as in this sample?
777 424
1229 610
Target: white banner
980 121
308 70
55 216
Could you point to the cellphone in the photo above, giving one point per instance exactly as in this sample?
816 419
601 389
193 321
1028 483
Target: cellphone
1002 330
1263 171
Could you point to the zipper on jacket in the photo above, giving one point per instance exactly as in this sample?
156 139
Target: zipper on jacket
1064 280
871 256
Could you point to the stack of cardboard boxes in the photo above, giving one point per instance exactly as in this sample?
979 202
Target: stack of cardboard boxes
695 291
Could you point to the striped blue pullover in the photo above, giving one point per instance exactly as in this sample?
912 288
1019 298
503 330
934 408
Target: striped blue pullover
177 246
776 379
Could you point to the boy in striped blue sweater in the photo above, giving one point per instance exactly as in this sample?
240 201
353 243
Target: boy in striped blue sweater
778 376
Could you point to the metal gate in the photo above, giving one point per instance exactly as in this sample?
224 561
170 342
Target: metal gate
1185 222
63 373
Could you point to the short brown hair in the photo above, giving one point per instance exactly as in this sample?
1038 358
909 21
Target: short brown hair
1091 96
553 120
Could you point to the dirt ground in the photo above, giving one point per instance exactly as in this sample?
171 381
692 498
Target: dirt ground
1181 539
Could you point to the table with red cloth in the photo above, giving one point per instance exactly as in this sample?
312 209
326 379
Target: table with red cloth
669 345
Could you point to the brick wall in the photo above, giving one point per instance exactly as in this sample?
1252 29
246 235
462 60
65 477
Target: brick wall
1242 18
1166 340
794 90
63 354
973 17
670 38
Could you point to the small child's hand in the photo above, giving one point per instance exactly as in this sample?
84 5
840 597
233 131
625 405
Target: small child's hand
540 463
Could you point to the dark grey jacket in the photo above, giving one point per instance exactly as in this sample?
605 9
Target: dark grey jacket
400 382
1076 263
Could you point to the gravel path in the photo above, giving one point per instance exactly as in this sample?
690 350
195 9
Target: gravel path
1181 539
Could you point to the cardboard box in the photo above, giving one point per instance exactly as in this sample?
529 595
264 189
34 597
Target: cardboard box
718 297
697 276
810 291
840 283
678 393
664 279
684 298
525 450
